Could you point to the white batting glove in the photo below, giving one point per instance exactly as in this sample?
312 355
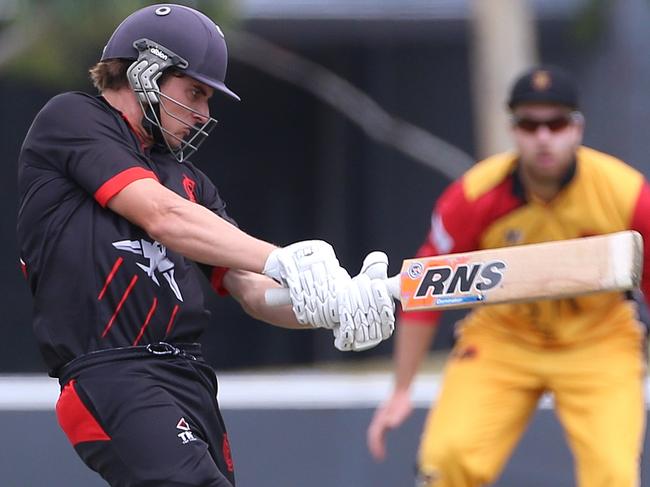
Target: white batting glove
366 307
311 272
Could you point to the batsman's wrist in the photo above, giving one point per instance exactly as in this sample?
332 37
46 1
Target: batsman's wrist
272 266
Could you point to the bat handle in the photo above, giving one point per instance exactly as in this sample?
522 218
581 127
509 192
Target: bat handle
393 285
277 296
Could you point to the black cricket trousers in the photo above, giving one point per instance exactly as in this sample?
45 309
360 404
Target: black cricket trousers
146 416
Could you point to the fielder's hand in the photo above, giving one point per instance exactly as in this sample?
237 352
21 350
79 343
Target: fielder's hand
389 415
311 272
366 307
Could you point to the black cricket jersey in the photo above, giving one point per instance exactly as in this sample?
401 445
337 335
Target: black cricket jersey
99 281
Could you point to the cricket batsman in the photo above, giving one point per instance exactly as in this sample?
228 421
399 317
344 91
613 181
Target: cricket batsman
116 228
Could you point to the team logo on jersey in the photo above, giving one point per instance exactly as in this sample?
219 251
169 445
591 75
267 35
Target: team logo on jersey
189 186
541 80
185 435
465 353
514 236
427 478
156 253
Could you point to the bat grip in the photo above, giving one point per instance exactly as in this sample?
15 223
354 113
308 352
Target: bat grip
393 285
277 296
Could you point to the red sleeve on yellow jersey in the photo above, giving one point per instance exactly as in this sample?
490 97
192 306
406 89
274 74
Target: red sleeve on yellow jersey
641 223
457 224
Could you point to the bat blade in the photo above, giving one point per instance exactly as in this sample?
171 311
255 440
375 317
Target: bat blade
547 270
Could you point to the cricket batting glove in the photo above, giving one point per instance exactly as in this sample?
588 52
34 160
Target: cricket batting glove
366 307
311 272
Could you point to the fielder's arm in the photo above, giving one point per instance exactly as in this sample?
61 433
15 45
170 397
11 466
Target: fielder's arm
411 346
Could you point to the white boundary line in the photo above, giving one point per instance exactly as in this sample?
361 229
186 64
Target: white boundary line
295 390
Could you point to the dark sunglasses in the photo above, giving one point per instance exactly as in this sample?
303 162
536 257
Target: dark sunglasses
554 124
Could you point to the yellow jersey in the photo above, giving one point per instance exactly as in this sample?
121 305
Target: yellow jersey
488 208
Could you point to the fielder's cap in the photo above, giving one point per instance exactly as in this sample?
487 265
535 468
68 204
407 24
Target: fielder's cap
544 84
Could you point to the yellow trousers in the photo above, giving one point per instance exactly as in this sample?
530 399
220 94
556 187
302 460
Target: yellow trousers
490 391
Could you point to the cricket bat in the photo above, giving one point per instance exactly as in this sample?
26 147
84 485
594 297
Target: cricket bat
549 270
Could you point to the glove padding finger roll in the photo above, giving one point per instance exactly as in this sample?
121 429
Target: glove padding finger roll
311 272
375 265
366 308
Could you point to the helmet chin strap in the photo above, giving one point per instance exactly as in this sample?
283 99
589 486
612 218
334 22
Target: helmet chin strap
152 127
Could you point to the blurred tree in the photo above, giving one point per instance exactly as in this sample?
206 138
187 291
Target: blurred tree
55 41
591 21
499 52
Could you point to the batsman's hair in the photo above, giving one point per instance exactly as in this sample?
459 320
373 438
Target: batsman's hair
110 74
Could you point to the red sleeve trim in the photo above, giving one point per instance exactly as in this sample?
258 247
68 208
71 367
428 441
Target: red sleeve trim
421 318
216 280
75 419
641 223
121 180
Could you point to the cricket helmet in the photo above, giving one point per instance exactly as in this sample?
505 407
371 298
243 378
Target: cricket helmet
169 36
191 41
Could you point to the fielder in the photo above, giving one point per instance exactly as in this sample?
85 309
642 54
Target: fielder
589 352
116 226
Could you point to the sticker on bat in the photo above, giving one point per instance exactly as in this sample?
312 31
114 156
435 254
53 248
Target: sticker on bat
415 270
463 278
455 300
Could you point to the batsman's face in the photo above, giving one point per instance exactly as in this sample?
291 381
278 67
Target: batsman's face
175 118
547 137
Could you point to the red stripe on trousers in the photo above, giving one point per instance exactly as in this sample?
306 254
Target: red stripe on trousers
75 420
